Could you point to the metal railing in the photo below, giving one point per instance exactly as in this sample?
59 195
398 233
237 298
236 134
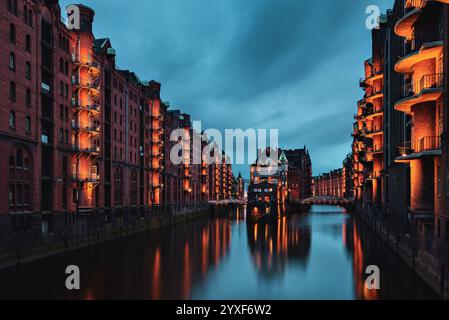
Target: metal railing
428 81
375 129
375 90
375 149
417 146
412 4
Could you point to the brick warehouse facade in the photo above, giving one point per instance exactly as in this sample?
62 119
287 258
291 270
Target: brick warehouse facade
403 176
83 142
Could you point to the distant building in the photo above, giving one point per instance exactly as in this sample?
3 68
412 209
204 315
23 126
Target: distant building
329 184
268 177
299 174
240 187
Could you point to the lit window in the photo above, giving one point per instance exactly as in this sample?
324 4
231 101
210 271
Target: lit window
28 70
12 61
28 124
12 119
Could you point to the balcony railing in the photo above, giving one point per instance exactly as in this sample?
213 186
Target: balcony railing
375 149
421 145
77 148
428 81
412 4
376 90
375 130
93 178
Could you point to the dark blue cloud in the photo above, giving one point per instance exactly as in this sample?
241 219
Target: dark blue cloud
293 65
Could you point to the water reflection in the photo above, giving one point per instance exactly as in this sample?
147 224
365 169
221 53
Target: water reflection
318 255
274 245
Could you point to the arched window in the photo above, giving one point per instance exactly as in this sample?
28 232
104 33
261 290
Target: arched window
28 98
12 33
133 187
12 6
28 43
12 61
30 17
118 186
28 124
12 119
28 70
61 135
12 91
20 172
25 14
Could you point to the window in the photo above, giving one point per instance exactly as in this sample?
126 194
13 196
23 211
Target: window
28 124
28 70
133 187
118 186
61 111
28 43
12 91
25 14
12 119
66 113
12 6
12 33
12 61
28 98
30 17
61 65
61 135
66 68
66 136
20 172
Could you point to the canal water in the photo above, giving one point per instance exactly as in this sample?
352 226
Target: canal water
322 254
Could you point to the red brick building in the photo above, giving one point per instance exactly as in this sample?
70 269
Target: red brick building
82 141
329 184
400 147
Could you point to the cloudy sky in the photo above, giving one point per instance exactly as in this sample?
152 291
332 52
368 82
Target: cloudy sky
291 65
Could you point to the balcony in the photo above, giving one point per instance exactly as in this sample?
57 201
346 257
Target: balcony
376 92
93 109
404 27
93 129
373 175
90 150
93 86
91 178
376 130
371 114
429 88
375 74
429 50
376 149
424 147
91 65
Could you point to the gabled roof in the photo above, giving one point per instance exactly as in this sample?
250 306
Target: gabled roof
283 157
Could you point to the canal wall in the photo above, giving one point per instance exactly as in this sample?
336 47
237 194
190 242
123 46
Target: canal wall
406 247
33 246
